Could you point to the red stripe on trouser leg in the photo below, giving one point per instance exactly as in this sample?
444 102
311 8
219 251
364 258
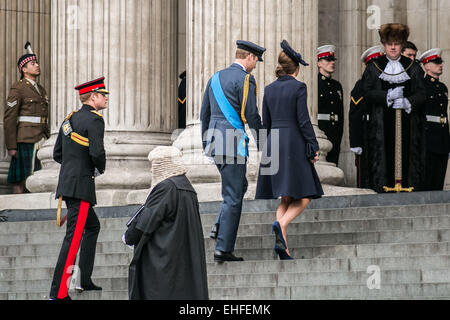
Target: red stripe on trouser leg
78 234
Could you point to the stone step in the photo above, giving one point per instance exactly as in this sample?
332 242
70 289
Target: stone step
340 251
45 256
342 232
263 280
316 215
361 292
258 267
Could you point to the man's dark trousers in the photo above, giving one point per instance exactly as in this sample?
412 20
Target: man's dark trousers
234 187
80 217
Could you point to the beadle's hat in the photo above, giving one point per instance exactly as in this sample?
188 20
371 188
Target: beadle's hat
433 55
252 48
393 32
372 53
327 52
295 56
23 60
97 86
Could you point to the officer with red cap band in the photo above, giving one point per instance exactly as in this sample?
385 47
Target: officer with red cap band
80 150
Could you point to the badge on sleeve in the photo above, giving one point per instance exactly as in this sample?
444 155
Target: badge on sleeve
12 104
67 128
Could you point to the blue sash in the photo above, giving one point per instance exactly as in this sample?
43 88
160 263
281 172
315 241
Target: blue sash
230 114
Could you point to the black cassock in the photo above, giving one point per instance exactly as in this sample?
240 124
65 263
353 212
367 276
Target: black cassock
381 130
169 260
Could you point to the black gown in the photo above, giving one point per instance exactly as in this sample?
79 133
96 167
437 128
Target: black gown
169 260
381 130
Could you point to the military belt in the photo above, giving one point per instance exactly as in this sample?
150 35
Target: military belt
436 119
37 120
328 117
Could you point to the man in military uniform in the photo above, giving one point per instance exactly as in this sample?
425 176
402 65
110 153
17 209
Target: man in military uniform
80 151
25 121
228 104
436 127
331 104
182 102
359 120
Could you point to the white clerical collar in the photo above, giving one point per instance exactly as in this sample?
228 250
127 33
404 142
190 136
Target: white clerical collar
243 68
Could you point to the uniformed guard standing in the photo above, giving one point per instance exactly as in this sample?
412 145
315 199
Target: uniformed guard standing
436 128
331 105
25 121
228 104
359 120
80 151
182 102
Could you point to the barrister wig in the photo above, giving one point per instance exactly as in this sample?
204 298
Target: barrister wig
394 32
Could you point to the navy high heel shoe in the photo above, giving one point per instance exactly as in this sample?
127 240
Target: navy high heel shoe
280 245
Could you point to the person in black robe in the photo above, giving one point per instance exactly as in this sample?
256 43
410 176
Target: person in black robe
169 261
393 82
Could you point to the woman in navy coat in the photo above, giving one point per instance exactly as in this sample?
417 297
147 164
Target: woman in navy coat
287 167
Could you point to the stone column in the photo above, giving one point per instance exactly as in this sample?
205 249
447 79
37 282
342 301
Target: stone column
21 21
429 25
213 28
134 45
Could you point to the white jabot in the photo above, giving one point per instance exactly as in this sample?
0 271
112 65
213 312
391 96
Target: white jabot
394 72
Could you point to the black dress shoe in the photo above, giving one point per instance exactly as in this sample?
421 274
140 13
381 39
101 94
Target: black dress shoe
220 256
214 232
63 299
89 287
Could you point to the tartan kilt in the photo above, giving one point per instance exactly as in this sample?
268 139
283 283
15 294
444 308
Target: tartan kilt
22 165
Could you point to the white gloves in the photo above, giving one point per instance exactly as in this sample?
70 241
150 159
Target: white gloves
357 151
402 103
394 94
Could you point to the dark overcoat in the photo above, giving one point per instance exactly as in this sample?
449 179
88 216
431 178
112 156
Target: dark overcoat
169 261
286 169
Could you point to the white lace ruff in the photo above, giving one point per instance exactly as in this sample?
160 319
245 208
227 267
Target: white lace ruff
394 72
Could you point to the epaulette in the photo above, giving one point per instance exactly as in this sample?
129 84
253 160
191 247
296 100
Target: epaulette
99 114
70 115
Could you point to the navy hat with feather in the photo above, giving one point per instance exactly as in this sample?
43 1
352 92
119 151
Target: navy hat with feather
295 56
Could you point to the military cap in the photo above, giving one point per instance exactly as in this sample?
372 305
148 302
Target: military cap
372 53
295 56
97 86
23 60
433 55
327 52
252 48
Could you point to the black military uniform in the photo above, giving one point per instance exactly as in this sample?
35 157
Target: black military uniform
359 117
359 121
182 102
80 151
331 114
437 133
